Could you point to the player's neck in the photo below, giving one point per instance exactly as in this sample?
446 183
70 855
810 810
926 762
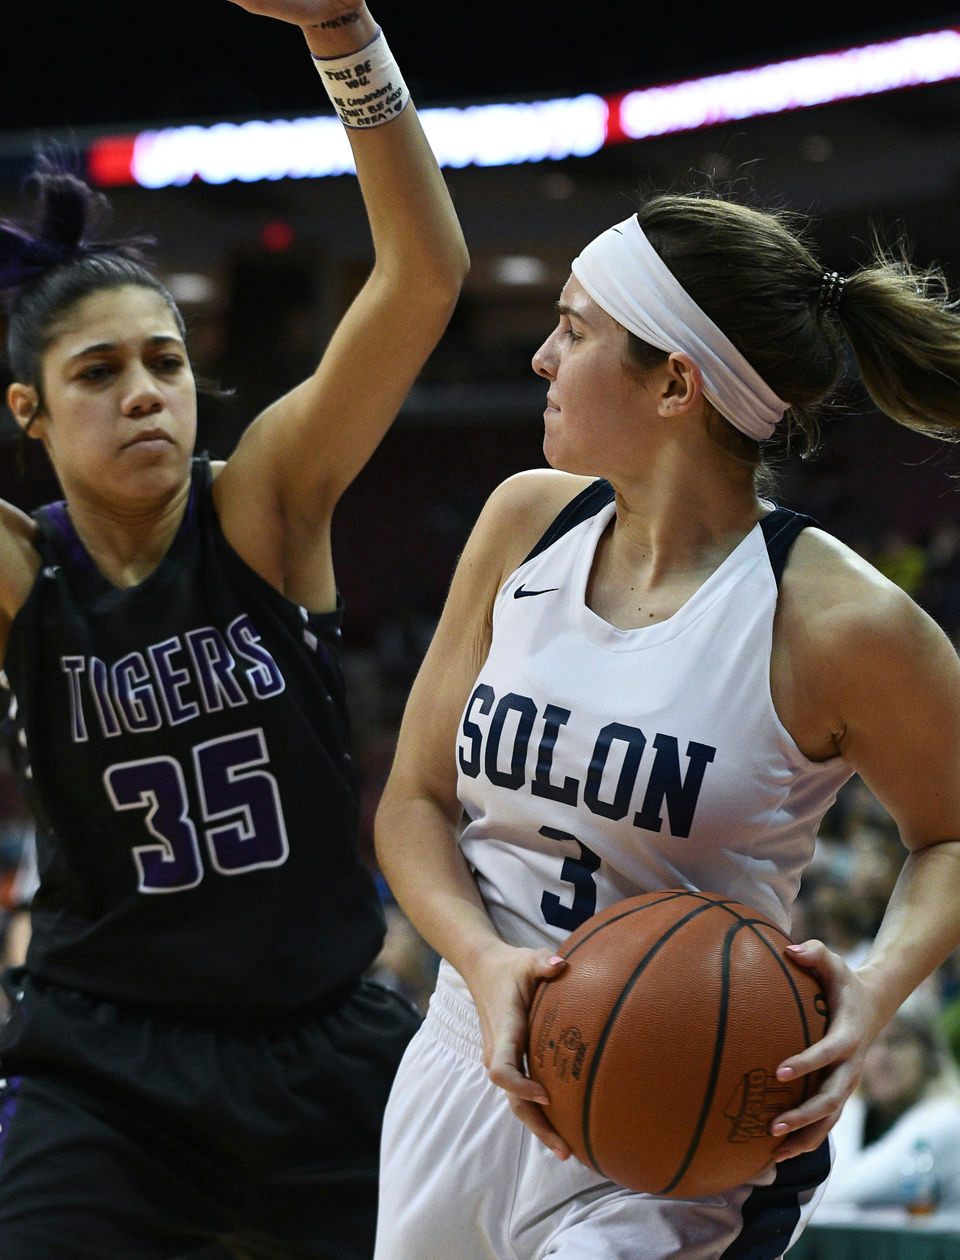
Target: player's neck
126 543
664 527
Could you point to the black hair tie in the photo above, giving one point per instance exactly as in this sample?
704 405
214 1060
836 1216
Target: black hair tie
831 290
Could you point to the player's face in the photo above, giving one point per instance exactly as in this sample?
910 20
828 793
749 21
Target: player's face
120 408
594 399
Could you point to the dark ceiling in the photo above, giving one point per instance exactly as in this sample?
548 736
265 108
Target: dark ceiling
475 413
107 62
108 66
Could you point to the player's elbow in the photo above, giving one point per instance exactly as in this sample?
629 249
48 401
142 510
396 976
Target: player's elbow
430 283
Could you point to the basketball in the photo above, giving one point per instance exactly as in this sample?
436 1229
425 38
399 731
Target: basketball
658 1044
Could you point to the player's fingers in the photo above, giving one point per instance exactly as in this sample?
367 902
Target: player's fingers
803 1140
836 1048
536 1121
819 1112
506 1037
816 1110
508 1076
549 964
813 955
843 1035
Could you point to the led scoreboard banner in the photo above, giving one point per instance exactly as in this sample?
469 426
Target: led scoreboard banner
531 131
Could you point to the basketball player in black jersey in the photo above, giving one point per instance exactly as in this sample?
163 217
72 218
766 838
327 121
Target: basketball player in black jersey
193 1063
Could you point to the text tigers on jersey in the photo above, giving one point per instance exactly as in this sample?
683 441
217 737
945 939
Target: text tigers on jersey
170 682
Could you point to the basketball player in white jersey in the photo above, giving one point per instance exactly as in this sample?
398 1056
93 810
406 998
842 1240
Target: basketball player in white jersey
648 676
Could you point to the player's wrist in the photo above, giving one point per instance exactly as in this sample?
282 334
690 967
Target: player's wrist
365 86
484 960
341 35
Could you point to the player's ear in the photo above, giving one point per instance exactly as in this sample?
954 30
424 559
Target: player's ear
681 384
24 403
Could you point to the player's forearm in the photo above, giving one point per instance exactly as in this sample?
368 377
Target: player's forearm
421 861
920 928
416 234
418 242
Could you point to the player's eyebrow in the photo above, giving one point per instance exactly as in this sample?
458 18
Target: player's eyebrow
102 347
571 312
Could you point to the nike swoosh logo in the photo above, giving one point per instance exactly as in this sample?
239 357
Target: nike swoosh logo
520 593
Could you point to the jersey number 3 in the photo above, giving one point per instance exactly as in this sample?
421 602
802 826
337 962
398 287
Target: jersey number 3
577 871
239 800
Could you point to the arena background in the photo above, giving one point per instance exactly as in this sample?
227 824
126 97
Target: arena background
265 268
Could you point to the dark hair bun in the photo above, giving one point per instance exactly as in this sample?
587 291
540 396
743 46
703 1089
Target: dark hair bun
67 212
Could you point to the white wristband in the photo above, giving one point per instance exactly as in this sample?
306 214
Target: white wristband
365 87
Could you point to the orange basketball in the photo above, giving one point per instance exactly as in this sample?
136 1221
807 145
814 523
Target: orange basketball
659 1042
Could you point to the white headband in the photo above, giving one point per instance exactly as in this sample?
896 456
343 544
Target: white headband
626 276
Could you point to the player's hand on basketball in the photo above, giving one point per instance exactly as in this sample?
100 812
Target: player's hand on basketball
503 984
838 1055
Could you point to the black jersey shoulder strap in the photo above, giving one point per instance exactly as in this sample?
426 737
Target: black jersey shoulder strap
56 537
780 528
586 504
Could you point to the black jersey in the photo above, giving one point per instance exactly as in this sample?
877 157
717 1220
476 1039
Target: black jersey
185 750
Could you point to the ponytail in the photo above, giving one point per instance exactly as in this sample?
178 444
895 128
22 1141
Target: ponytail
755 275
905 334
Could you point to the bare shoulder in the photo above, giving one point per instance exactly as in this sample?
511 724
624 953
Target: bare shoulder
852 650
18 534
19 562
522 507
512 520
844 601
860 669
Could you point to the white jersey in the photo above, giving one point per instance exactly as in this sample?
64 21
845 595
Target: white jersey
597 763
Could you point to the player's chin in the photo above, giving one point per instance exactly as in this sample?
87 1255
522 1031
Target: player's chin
562 458
147 475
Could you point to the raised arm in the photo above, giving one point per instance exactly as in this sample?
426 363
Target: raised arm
305 449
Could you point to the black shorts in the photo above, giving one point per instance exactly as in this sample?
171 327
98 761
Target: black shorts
128 1136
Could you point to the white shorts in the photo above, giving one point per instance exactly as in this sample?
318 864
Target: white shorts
463 1179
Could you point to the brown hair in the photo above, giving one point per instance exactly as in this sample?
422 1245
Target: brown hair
752 271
